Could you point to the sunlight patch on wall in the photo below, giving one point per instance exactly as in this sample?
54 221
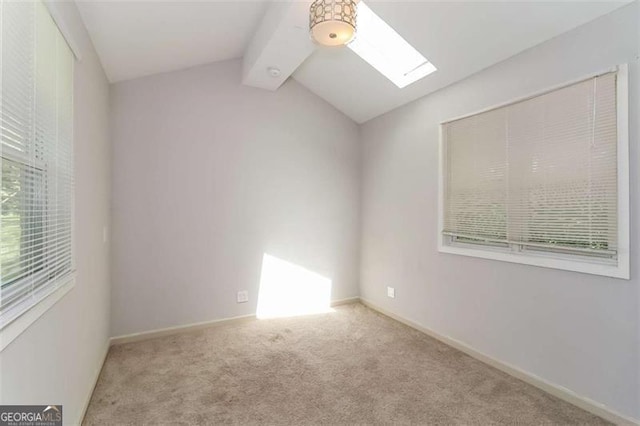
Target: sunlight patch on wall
287 289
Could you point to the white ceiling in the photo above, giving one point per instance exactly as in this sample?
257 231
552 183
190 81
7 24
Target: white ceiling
138 38
134 39
459 38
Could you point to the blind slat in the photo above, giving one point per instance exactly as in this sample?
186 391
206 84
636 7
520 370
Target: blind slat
540 172
36 111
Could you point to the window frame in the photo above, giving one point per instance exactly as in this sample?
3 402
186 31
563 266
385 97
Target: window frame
47 296
549 259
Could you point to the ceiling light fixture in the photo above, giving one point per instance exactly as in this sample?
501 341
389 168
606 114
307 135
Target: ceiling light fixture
332 22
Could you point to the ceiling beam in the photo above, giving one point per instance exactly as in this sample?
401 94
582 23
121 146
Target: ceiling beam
281 42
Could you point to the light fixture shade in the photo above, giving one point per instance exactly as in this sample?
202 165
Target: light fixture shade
332 22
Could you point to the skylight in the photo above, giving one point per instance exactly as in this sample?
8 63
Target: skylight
385 50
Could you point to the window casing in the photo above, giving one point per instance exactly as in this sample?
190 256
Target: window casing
36 149
542 180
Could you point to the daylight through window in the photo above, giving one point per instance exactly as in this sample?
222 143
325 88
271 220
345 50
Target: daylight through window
538 176
36 150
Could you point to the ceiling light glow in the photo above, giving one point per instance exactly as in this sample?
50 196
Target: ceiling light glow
385 50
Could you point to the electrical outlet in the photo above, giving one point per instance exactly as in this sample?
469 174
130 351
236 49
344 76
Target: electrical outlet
243 296
391 292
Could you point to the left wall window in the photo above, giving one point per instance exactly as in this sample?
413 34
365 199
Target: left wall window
36 135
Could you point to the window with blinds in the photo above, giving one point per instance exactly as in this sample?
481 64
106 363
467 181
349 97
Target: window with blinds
36 124
538 176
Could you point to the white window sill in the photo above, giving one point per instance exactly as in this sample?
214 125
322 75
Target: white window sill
555 261
12 330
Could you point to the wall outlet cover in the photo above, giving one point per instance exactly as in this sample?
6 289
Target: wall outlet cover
243 296
391 292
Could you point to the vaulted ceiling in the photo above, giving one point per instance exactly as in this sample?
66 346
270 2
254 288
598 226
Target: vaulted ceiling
138 38
135 39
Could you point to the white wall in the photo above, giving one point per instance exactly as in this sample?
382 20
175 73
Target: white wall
575 330
56 360
209 176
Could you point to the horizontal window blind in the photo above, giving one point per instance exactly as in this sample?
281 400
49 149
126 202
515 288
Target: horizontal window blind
540 173
36 119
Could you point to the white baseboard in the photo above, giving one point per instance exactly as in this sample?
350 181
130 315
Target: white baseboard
95 382
346 301
553 389
152 334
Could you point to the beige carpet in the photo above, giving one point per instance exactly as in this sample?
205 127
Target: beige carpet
350 366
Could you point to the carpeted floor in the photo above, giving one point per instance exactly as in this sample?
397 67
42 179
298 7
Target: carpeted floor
350 366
